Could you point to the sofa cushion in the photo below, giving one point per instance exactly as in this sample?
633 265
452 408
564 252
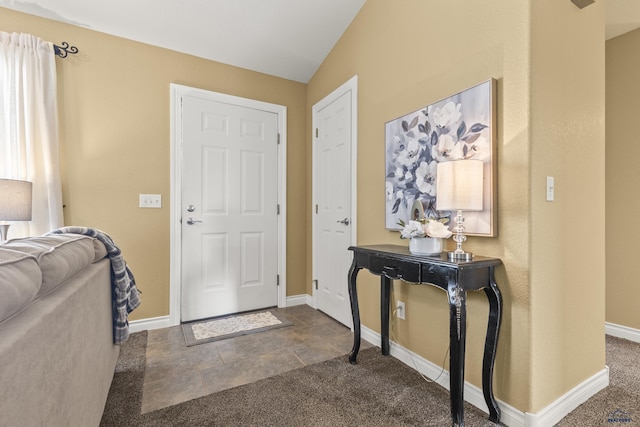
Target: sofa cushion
20 280
99 249
60 256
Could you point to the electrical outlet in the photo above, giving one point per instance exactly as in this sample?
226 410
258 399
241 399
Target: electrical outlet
400 310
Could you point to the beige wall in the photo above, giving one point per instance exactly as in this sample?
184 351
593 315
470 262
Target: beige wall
114 125
411 53
567 241
623 179
548 59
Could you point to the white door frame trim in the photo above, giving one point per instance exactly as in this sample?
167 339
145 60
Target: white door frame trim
351 86
175 232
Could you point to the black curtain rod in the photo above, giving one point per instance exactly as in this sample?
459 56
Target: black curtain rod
64 50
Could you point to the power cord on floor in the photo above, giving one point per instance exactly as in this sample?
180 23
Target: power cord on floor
393 337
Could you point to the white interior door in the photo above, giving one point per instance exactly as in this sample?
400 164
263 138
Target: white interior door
229 208
333 180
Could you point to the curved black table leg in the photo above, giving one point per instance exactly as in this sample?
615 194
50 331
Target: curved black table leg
491 345
385 292
355 311
394 260
457 336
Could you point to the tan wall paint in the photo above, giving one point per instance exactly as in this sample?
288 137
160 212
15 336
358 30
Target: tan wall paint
407 53
623 179
114 125
567 235
410 53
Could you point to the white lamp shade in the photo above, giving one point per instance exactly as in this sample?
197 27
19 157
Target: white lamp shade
459 185
15 200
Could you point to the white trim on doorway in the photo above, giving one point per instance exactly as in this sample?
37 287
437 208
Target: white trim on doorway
177 93
350 86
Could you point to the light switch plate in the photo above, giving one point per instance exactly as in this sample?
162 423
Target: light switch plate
150 201
550 189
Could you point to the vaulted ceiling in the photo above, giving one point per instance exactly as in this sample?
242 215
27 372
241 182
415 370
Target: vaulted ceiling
284 38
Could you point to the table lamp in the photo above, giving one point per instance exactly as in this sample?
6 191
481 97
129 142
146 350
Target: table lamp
15 203
459 188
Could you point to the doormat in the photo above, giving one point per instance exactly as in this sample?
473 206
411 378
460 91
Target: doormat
221 328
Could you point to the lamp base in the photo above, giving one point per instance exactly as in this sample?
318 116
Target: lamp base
464 256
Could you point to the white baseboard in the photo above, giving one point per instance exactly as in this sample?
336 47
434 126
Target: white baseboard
310 302
622 332
556 411
301 299
150 323
510 415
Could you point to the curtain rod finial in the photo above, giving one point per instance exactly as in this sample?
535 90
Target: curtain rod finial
64 50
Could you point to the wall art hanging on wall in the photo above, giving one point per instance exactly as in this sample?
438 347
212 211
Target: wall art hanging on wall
462 126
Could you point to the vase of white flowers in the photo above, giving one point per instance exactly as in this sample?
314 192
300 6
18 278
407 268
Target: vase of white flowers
425 235
425 245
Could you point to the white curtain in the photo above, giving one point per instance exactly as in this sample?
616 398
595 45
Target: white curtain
29 127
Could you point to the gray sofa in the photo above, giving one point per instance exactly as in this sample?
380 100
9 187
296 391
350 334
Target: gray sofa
57 356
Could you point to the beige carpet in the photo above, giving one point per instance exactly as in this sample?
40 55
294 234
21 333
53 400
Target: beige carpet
379 391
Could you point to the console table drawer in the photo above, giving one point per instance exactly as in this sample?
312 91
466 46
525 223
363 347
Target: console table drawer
395 269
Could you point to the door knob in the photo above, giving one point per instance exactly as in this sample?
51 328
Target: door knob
191 208
192 221
344 221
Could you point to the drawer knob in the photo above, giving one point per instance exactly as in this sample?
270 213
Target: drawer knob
391 272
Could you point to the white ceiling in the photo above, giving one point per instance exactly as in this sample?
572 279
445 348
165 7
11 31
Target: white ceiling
284 38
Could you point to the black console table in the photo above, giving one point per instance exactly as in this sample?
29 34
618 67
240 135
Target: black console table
456 278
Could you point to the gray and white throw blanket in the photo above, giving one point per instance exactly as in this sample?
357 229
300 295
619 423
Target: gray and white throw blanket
125 294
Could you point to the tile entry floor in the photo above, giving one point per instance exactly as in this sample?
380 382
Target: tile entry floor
176 373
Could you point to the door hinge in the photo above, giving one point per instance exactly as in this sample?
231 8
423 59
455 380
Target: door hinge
316 132
316 208
316 283
277 280
278 139
278 209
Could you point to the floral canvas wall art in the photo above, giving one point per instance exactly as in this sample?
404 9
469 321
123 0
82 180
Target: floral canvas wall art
461 126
